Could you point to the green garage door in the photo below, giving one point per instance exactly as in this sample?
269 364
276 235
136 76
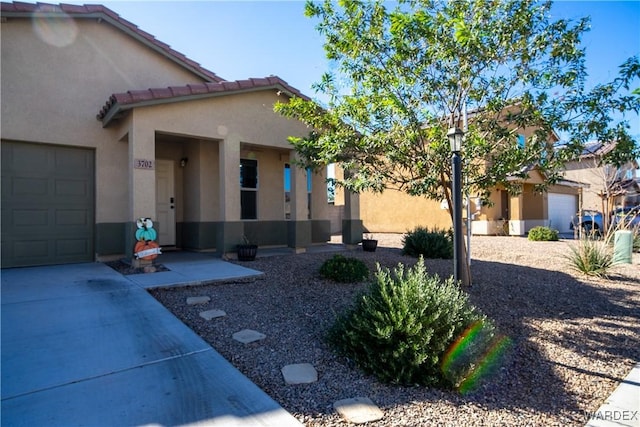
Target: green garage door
47 204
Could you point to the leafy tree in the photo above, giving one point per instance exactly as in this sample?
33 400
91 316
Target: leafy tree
401 76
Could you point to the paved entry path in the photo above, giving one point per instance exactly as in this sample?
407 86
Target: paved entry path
84 345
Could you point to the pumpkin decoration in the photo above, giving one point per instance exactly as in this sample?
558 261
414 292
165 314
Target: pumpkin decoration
146 248
145 229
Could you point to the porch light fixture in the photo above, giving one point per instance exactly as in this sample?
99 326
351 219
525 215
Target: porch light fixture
455 141
183 162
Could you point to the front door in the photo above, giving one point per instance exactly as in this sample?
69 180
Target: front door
165 203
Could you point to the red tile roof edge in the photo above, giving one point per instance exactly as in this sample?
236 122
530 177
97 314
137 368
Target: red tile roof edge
90 11
130 98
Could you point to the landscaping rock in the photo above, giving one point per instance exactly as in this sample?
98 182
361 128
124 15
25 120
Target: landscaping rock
197 300
247 336
358 410
300 373
212 314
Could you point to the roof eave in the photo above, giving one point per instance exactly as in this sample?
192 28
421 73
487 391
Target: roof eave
119 110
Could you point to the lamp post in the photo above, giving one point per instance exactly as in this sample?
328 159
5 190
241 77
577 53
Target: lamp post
455 141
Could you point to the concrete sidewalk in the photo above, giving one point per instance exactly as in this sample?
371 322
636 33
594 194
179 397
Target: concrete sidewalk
622 408
84 345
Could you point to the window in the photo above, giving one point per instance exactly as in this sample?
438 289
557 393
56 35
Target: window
287 191
248 189
331 185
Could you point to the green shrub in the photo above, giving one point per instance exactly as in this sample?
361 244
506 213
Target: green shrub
591 257
543 234
428 243
401 328
342 269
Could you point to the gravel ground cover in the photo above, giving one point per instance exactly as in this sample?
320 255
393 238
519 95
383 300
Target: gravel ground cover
573 338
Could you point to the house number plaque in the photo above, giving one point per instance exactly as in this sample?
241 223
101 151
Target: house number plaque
143 164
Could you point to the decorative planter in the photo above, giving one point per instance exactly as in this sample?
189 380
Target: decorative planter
247 252
369 245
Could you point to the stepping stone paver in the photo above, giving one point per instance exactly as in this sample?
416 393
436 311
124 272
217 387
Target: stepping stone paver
212 314
299 373
358 410
247 336
197 300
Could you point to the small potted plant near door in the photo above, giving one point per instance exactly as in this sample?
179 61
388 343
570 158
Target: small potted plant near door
247 251
369 244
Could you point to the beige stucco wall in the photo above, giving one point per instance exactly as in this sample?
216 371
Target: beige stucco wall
588 172
397 212
51 94
534 204
270 182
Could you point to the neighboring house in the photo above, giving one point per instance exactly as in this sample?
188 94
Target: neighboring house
394 211
103 124
610 187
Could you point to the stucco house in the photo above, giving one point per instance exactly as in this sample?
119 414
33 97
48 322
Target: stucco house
609 186
103 124
397 212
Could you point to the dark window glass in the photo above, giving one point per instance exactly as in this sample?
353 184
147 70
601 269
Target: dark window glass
249 186
248 204
248 173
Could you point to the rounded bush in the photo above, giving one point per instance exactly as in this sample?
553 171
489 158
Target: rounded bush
543 234
345 270
402 329
428 243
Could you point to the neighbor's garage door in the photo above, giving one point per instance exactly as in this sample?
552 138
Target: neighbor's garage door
561 208
47 204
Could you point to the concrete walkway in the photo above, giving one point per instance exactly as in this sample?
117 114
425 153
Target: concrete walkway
84 345
622 408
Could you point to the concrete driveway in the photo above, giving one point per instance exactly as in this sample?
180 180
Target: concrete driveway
84 345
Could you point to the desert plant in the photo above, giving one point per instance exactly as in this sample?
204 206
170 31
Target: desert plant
434 243
591 257
543 234
344 269
402 327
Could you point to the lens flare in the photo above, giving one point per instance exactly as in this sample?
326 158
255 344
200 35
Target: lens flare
487 363
59 30
471 357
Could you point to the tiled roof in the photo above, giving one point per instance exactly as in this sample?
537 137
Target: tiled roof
27 10
119 103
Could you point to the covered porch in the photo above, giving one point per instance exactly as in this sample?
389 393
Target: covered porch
216 170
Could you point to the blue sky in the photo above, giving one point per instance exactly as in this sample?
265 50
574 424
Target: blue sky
243 39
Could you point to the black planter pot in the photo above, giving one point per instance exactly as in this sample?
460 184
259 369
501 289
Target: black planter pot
247 252
369 245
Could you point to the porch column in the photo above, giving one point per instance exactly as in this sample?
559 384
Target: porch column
351 223
142 181
230 228
299 226
516 219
